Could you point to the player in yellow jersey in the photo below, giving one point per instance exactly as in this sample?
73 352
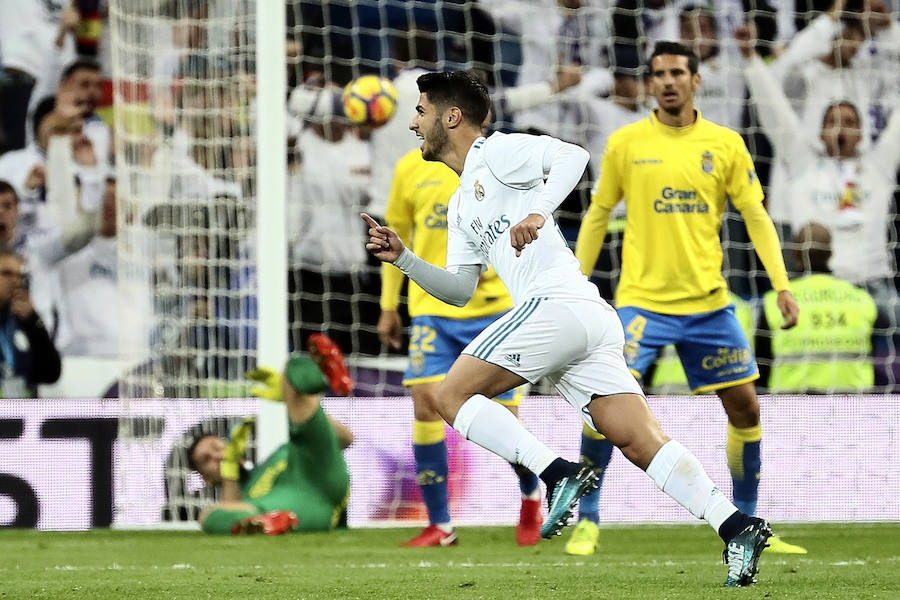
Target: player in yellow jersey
674 170
417 211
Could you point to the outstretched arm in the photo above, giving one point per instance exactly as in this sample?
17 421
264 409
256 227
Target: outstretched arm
530 95
777 117
887 148
810 43
455 288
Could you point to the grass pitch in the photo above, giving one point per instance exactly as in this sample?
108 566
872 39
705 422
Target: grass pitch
845 561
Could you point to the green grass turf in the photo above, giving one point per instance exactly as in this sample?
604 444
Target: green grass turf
845 561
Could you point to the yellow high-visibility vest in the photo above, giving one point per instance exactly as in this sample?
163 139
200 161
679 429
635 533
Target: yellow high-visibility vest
829 350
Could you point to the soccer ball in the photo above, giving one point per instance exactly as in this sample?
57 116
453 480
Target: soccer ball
369 100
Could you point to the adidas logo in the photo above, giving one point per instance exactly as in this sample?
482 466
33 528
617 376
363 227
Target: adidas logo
514 359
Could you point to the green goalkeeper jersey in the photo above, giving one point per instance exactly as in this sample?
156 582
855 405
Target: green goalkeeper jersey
307 475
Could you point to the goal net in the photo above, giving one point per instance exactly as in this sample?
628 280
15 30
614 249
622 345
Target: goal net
184 91
186 122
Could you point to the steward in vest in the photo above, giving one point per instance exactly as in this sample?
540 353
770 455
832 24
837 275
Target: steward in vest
830 349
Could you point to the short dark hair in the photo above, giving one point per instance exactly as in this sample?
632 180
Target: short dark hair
82 63
677 49
46 106
190 451
839 104
462 89
7 188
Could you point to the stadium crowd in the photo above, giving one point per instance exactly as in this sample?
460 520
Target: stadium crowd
811 86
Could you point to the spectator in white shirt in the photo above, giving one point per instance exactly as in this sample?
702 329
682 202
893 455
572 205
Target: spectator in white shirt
833 178
326 192
721 94
59 187
57 167
557 35
36 41
824 64
88 302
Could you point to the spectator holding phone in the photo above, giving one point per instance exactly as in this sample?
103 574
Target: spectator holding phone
27 354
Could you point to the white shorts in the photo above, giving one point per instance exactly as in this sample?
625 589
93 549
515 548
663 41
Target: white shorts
576 344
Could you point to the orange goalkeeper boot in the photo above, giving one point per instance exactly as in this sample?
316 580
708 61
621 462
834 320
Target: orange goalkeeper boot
330 359
274 522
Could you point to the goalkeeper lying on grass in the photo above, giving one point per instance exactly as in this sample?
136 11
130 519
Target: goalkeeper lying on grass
303 485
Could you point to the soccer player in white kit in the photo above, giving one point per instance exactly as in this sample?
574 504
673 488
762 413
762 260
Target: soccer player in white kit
560 328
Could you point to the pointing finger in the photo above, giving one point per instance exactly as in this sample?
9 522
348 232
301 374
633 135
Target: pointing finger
372 222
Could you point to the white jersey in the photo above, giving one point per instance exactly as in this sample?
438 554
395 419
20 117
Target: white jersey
88 301
501 177
101 314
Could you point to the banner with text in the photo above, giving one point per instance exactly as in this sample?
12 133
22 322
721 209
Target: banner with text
76 464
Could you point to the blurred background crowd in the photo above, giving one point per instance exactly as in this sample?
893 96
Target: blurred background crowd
128 171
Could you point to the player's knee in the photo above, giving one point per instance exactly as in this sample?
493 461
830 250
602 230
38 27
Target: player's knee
641 454
741 405
447 401
425 404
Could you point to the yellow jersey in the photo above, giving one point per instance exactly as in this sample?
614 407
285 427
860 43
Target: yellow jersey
674 182
417 212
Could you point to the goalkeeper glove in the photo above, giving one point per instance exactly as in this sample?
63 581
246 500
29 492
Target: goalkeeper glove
230 468
268 383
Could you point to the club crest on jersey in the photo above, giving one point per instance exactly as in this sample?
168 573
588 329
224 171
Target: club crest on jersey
706 162
632 350
416 362
479 191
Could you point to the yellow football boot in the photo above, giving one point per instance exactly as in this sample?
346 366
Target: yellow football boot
583 541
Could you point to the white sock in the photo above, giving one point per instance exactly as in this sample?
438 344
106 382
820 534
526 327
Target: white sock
679 474
494 428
